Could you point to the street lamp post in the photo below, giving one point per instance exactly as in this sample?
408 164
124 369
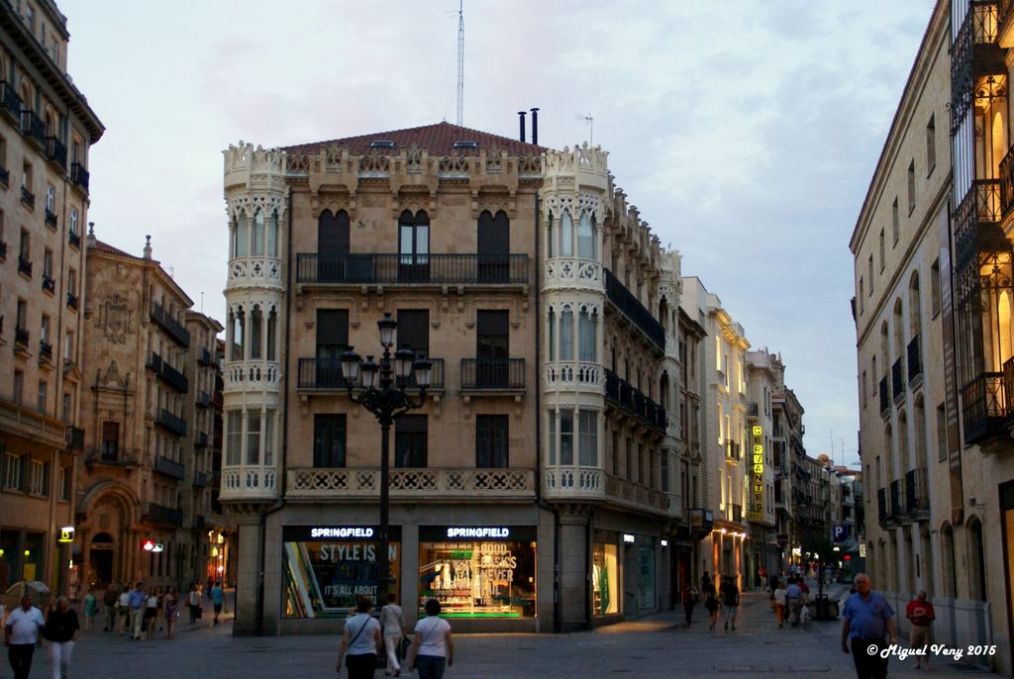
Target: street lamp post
386 398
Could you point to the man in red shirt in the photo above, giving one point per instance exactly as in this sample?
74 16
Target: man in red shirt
921 614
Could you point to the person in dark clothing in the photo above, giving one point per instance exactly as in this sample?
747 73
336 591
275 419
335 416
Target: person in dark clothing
773 585
688 598
61 631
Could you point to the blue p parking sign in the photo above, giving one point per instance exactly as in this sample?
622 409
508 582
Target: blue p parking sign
841 533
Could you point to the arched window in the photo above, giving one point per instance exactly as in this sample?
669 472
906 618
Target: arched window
238 335
257 238
272 250
587 333
585 236
550 236
552 334
914 307
950 582
899 331
256 332
567 334
272 335
566 235
413 246
242 235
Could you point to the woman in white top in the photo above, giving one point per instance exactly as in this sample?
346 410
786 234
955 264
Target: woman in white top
432 645
393 628
360 640
780 598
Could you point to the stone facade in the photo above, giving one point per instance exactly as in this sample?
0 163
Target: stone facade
46 129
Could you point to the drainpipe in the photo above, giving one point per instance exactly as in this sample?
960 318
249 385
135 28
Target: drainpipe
280 503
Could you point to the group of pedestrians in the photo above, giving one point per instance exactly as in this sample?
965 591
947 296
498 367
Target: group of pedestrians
141 613
725 597
24 627
789 598
366 638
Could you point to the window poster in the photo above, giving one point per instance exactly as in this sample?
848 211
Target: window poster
327 567
478 572
604 573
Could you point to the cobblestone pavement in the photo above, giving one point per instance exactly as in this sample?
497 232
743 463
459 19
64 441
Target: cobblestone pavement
652 647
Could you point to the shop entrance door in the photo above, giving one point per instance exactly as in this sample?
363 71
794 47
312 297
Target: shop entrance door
100 558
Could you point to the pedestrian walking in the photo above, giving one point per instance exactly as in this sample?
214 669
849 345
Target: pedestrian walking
921 614
138 599
21 634
730 599
123 611
688 597
217 599
713 605
91 608
432 647
194 602
794 599
393 627
361 642
61 631
170 606
867 622
779 602
151 609
773 585
109 598
707 587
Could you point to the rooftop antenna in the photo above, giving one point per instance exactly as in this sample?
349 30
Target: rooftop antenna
591 126
202 302
461 63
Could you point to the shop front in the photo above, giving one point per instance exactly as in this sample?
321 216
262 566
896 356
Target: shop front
605 576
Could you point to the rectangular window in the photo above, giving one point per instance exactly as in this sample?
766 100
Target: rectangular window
586 331
567 335
73 221
42 397
44 329
269 437
863 389
628 469
941 433
491 441
253 437
110 440
233 436
895 221
566 436
616 453
882 258
37 478
65 483
870 275
588 438
329 441
935 298
862 296
51 198
931 145
68 347
911 187
19 387
332 333
665 471
47 263
414 331
552 437
66 408
13 471
25 246
410 441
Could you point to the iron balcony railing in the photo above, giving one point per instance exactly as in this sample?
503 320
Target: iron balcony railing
897 382
48 283
56 151
10 100
897 497
204 357
492 374
984 407
630 398
155 362
27 197
201 439
174 378
627 304
171 423
160 514
32 125
75 438
914 360
50 218
74 239
21 336
172 327
171 468
79 176
977 222
885 398
203 399
326 374
72 300
45 350
110 456
916 492
974 52
397 269
200 481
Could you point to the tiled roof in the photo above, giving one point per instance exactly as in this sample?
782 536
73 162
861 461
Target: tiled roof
437 139
106 247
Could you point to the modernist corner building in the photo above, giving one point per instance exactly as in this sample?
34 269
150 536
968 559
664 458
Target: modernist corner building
544 484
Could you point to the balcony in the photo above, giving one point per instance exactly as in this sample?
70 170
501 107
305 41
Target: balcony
154 363
24 266
914 362
111 457
201 439
56 151
171 468
32 126
27 198
72 300
204 358
75 438
48 284
917 492
405 483
51 220
325 374
977 223
162 515
79 176
45 351
5 177
627 397
631 308
395 269
21 337
251 376
897 382
200 480
984 407
173 378
170 325
255 483
10 100
74 240
975 52
203 399
504 375
753 410
171 423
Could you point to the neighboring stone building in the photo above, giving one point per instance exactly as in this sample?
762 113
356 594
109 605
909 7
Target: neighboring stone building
766 377
549 311
933 308
142 493
46 130
787 444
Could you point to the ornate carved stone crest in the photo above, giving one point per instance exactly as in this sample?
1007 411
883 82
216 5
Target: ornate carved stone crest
115 318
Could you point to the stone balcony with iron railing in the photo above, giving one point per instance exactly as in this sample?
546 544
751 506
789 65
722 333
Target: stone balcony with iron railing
170 422
112 457
390 269
251 376
572 272
248 483
431 483
324 375
917 494
592 484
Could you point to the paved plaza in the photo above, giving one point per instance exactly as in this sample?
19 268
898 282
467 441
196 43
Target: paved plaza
652 647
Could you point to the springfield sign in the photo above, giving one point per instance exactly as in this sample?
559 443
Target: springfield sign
328 567
756 512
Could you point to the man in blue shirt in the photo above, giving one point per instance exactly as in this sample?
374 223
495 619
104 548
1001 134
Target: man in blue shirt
138 599
867 621
794 601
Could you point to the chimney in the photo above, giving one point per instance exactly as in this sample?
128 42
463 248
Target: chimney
521 124
535 126
147 246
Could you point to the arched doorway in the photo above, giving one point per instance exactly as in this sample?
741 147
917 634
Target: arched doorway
100 560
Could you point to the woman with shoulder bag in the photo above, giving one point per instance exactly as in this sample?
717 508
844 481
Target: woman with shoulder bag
360 642
432 646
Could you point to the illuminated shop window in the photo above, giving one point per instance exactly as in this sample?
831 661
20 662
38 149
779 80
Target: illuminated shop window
605 568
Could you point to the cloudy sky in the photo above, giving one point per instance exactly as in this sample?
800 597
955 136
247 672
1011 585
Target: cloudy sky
746 132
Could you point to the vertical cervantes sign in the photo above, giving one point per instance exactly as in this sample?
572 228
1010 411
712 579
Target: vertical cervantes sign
757 472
